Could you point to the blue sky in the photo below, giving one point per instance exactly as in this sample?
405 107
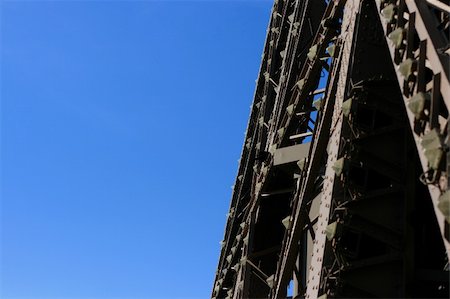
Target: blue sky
121 126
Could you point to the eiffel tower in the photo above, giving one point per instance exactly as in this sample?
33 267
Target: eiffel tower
343 185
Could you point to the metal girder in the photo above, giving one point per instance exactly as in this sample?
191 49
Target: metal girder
290 154
348 24
278 227
421 22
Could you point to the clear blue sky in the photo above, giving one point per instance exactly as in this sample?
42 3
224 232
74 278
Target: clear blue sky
121 126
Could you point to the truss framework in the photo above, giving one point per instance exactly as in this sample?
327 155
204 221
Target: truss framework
340 194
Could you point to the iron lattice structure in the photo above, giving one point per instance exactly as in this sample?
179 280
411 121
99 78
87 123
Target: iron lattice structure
342 188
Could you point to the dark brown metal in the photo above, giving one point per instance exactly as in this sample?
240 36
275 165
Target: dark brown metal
435 102
359 215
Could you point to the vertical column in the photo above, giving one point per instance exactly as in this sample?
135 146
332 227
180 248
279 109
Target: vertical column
348 23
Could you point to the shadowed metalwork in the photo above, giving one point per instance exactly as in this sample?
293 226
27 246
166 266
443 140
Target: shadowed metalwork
342 187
